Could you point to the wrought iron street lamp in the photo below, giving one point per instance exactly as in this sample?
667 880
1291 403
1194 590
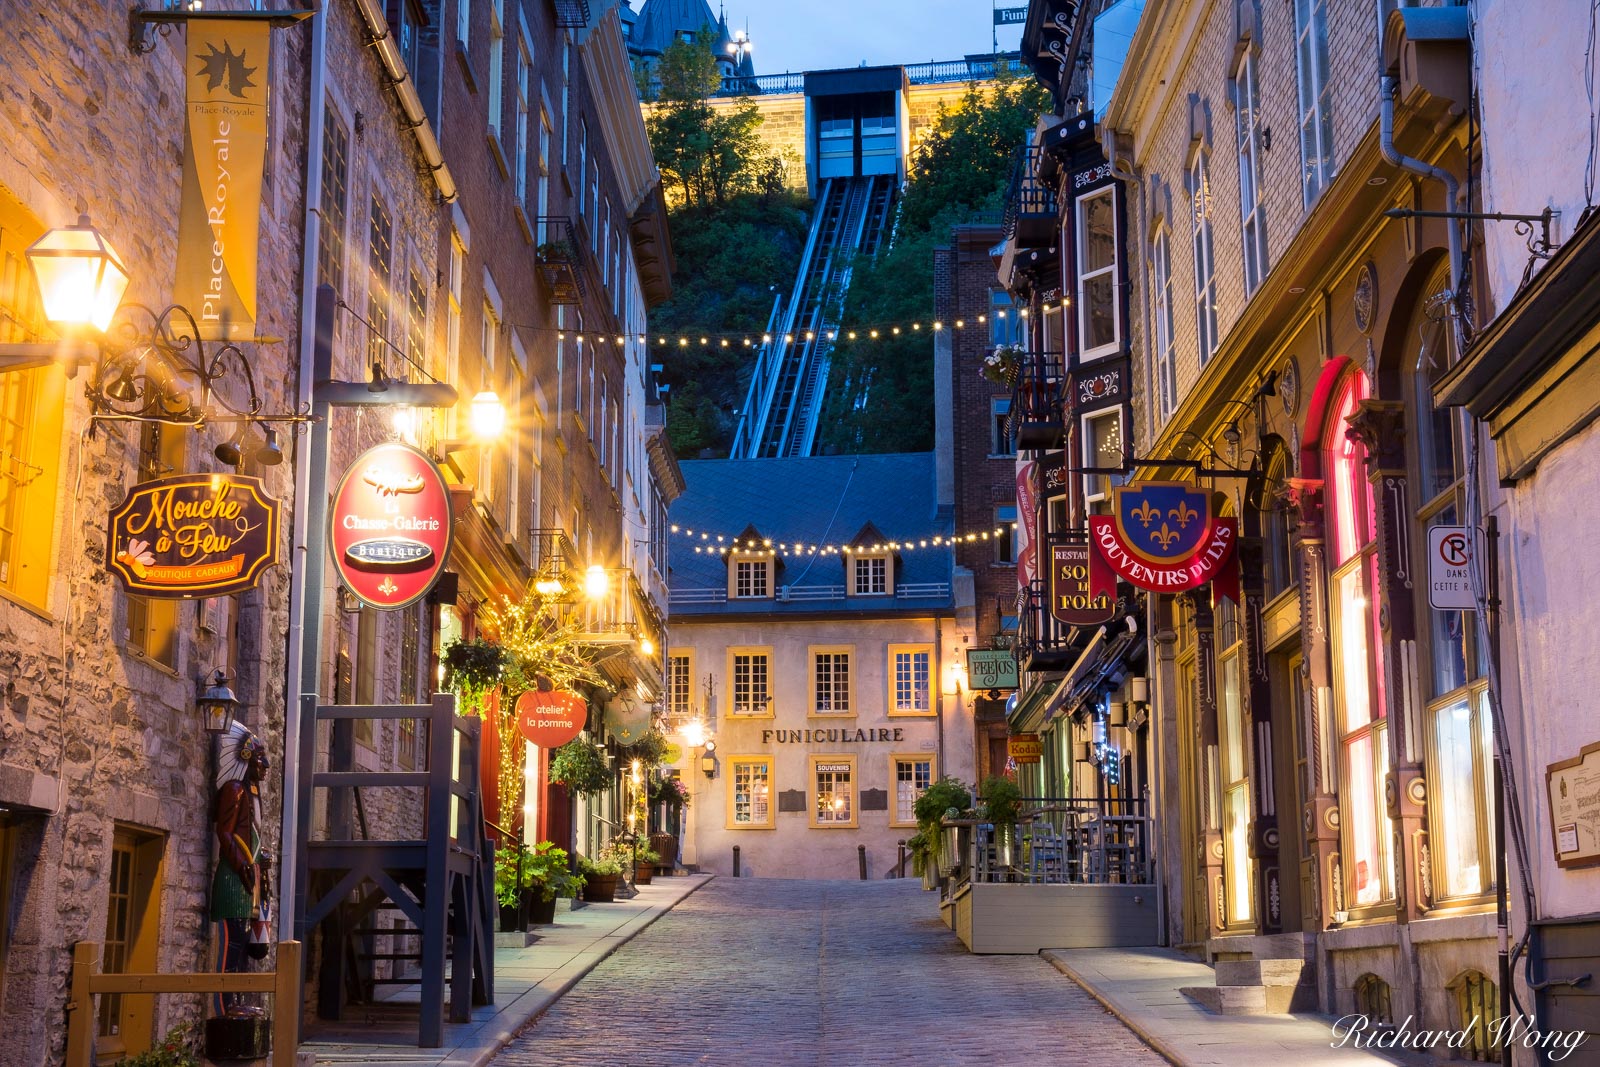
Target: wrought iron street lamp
81 277
217 705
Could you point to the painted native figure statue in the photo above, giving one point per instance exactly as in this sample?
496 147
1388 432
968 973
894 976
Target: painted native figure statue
240 887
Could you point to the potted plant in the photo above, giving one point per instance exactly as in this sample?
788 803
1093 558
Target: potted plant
644 864
545 878
177 1049
471 669
945 797
1001 365
557 251
1004 802
581 767
600 876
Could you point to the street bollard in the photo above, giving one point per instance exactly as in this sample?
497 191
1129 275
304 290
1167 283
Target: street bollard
736 861
900 868
861 854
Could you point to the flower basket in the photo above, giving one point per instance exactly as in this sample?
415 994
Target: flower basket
600 888
1002 365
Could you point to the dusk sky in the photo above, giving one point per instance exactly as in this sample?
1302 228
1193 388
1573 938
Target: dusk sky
820 34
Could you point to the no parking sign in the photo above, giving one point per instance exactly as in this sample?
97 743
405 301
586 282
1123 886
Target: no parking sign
1449 560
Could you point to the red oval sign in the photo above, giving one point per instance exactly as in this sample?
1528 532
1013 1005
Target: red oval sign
550 720
390 526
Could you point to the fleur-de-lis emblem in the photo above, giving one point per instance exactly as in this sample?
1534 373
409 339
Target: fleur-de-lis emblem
388 587
1146 514
1181 514
1164 536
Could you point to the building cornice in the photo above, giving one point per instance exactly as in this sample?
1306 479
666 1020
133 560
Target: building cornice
609 75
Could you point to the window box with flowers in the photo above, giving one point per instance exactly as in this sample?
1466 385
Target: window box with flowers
1002 364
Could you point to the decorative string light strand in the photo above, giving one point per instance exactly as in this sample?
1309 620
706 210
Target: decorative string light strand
715 544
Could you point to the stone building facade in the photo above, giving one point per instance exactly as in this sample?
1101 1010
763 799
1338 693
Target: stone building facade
438 144
1326 740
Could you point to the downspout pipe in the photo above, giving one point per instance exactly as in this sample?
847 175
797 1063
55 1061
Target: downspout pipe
1389 88
288 847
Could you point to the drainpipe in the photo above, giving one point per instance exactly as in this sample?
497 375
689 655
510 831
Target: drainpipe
938 674
288 845
1388 90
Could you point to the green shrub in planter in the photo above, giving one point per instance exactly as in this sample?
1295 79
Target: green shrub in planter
581 767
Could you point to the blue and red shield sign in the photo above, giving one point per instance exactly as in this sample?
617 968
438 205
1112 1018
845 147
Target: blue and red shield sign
1162 536
1162 522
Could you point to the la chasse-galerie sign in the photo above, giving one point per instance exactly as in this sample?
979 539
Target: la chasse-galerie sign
193 535
391 526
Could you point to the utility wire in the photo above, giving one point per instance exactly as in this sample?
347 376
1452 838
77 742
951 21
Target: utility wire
379 334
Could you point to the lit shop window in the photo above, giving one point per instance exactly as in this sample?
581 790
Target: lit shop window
834 778
1235 781
1102 447
749 793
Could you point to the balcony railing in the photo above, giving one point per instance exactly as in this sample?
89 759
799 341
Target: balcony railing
624 614
950 70
560 259
1030 219
689 596
1044 643
1066 842
1036 401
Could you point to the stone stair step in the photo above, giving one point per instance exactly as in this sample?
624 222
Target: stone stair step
1260 972
1229 999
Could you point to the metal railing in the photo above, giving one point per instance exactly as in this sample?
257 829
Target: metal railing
1056 841
1043 641
624 613
950 70
716 594
1037 411
1029 198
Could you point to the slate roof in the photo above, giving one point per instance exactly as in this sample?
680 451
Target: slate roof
660 21
815 500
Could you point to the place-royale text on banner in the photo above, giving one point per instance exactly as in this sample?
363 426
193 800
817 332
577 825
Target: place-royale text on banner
225 143
1162 537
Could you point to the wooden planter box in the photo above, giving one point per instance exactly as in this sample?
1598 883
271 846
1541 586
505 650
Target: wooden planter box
642 873
665 846
601 888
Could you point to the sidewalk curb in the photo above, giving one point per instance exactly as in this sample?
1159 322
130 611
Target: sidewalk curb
507 1033
1161 1048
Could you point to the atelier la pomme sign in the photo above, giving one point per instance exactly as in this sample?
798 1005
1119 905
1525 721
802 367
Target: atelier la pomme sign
390 526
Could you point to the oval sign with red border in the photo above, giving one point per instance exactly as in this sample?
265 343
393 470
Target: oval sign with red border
550 720
390 526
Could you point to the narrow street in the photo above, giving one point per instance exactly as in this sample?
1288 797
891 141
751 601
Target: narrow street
807 972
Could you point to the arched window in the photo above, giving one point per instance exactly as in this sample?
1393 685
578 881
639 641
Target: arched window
1373 999
1477 1012
1460 765
1358 670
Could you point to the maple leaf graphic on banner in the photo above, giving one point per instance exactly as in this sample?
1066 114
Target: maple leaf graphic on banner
225 65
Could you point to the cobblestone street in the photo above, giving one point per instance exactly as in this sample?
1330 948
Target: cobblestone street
852 974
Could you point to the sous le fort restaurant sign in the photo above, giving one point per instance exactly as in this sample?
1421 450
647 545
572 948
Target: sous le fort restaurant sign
1160 536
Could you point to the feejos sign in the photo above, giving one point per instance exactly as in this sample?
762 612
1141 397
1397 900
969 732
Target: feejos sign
390 526
193 535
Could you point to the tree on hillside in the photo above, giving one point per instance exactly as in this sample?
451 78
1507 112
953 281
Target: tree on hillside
706 155
880 392
737 236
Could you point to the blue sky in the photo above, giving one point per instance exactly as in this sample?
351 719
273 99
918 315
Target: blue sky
820 34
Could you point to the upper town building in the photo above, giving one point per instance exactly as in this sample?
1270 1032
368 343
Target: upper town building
658 23
814 643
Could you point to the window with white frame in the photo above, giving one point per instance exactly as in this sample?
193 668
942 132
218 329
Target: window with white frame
463 22
1099 314
544 177
680 682
871 575
751 687
1166 349
834 780
749 792
752 578
1252 214
831 678
1205 264
1005 325
497 59
1102 447
583 161
909 674
524 104
912 777
1316 96
1000 443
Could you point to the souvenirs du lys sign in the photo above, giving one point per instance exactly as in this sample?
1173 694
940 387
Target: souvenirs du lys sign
1162 536
390 526
193 535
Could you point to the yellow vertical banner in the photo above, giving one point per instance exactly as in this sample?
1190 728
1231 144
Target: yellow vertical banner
225 144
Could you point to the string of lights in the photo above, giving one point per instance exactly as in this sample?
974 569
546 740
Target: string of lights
709 543
754 338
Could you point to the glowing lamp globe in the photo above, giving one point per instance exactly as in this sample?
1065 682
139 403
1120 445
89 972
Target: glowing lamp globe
488 416
81 277
596 582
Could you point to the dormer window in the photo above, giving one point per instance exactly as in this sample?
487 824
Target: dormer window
870 576
752 578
